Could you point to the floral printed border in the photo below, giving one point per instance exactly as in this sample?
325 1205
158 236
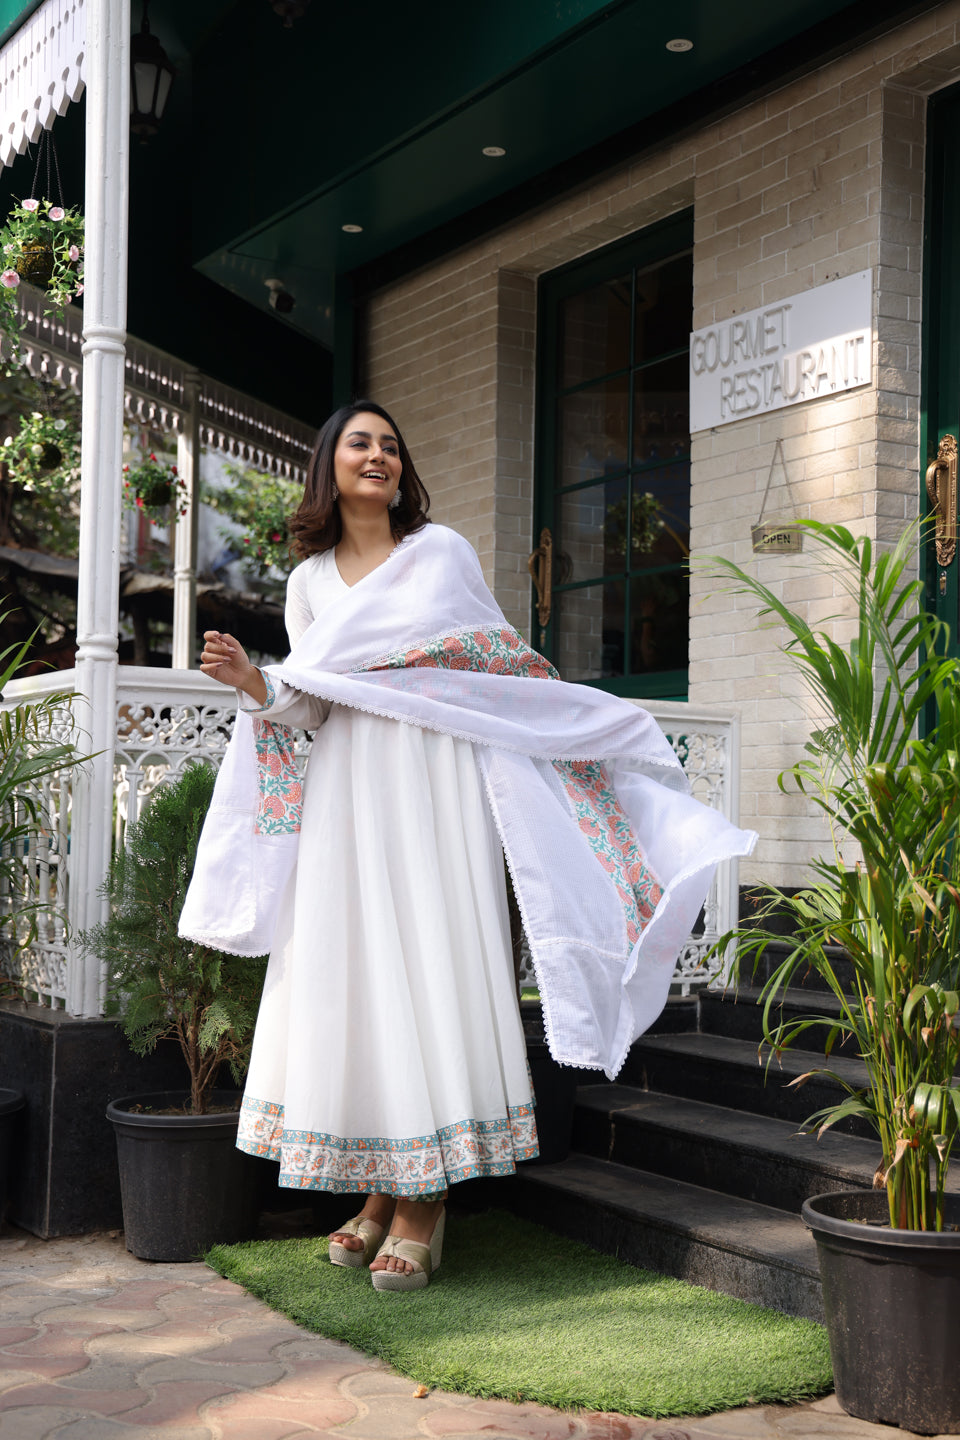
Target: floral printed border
415 1165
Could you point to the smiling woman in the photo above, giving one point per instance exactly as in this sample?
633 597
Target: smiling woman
389 1056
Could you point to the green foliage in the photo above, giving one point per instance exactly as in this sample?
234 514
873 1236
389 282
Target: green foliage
39 464
35 229
167 986
895 910
31 750
153 486
260 505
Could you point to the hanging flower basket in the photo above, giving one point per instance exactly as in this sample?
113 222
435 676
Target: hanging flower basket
44 453
42 243
153 487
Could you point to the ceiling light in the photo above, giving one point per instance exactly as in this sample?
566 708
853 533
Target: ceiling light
289 10
679 45
352 229
494 151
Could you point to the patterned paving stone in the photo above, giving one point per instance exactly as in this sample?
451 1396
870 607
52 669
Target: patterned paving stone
36 1423
316 1412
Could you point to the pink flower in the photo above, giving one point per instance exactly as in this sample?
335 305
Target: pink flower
74 251
276 537
79 290
56 212
10 279
31 205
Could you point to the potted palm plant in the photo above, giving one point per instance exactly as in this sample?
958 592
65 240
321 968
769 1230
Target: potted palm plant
880 925
184 1185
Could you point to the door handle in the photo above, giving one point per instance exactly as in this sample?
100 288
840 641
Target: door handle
942 490
540 565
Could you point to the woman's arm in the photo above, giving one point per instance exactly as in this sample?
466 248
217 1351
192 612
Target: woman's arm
225 659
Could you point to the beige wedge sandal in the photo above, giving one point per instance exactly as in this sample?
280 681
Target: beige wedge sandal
424 1258
368 1231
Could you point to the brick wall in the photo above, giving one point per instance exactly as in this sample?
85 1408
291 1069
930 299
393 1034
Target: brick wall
821 179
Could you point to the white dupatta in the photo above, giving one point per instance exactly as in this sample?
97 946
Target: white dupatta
610 856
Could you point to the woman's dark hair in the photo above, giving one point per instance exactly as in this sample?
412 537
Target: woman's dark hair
316 526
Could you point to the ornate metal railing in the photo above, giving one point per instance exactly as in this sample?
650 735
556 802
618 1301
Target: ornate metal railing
167 718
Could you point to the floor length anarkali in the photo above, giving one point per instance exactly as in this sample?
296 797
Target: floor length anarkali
389 1055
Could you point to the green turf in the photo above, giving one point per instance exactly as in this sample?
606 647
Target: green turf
523 1314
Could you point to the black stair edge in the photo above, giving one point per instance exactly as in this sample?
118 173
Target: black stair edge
753 1252
849 1160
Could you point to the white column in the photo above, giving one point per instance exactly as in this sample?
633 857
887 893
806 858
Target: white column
185 535
101 463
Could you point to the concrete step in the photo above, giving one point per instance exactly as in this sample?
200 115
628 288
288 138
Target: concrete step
754 1252
729 1071
755 1157
739 1014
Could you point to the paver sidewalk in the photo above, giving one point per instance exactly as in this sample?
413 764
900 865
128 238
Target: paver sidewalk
96 1345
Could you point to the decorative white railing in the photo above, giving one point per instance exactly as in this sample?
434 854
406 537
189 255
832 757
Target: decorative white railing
155 392
167 718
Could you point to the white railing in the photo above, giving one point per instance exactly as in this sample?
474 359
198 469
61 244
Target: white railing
167 718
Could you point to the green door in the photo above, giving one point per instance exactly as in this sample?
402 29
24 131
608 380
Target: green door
940 416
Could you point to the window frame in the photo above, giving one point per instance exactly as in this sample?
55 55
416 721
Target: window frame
650 246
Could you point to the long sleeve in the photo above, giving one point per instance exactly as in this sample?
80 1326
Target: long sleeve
284 703
289 706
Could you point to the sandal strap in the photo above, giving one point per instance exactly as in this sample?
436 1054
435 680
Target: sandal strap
409 1250
360 1225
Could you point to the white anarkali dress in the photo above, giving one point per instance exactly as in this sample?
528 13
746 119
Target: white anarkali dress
388 1055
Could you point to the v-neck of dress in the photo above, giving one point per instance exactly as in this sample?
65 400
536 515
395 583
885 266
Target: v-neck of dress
345 583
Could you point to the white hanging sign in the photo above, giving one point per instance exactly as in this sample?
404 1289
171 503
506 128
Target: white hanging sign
808 346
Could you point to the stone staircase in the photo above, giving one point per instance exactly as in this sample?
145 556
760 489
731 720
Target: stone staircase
691 1164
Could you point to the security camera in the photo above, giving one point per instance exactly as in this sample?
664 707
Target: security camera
280 299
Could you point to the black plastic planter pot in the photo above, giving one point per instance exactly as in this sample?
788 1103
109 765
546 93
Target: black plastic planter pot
184 1184
892 1305
11 1103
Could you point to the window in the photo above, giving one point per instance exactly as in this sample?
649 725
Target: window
613 474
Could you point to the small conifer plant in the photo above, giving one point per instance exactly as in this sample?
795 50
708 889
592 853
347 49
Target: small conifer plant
162 985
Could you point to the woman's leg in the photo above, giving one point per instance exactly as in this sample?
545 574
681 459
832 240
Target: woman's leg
412 1220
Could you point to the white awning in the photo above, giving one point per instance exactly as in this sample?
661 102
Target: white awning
41 71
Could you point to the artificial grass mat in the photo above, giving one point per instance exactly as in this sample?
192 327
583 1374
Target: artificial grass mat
519 1313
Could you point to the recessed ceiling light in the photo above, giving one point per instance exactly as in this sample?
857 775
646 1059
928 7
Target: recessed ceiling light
352 229
679 45
494 151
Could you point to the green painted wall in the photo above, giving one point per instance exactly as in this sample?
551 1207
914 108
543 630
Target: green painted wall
12 15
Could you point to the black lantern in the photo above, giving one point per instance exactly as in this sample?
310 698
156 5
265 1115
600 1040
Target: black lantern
151 76
289 10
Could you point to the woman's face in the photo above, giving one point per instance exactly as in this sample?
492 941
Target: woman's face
366 462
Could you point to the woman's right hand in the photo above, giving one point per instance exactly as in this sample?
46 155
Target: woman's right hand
225 659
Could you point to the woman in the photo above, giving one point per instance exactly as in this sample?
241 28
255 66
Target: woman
389 1057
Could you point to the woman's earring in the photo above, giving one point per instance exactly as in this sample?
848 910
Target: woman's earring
336 493
395 500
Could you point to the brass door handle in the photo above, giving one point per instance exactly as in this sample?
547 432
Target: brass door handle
942 490
540 566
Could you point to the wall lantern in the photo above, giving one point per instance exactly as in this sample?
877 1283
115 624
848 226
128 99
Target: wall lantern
151 75
289 10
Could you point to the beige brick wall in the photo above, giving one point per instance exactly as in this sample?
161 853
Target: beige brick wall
821 179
